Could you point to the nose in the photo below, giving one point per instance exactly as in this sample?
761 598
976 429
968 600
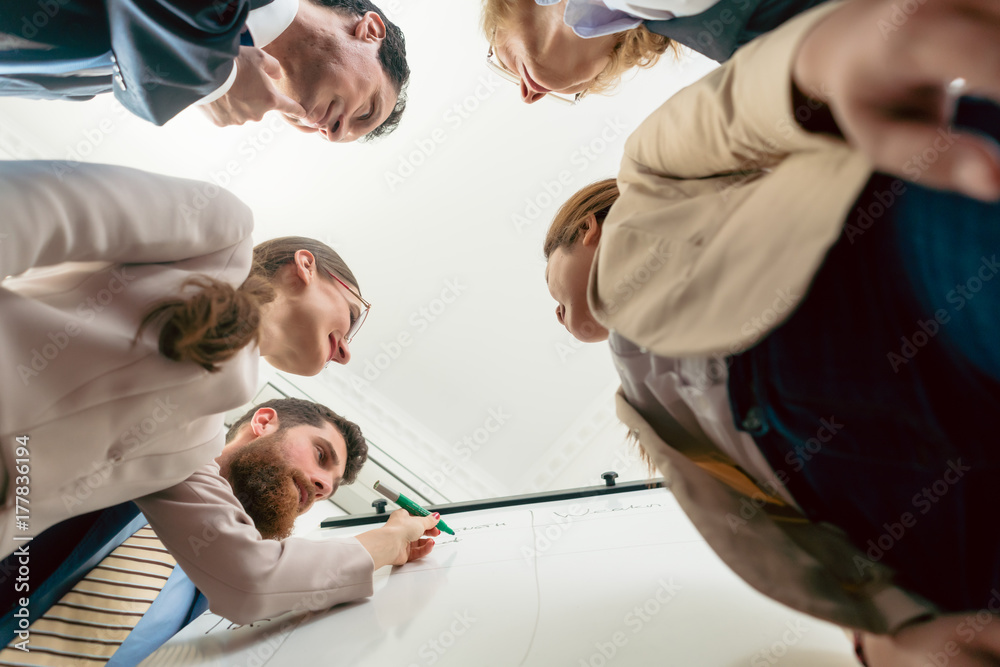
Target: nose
323 486
343 353
529 96
336 130
560 312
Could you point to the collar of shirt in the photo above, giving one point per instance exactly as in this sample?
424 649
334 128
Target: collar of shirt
594 18
267 22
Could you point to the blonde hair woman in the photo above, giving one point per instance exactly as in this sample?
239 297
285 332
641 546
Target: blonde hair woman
566 49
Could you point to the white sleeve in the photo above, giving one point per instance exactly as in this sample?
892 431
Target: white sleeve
57 211
656 10
247 578
220 91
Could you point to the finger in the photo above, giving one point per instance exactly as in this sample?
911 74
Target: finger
938 157
432 532
420 549
431 520
287 105
301 128
954 42
270 65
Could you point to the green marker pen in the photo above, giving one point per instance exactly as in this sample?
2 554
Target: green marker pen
409 505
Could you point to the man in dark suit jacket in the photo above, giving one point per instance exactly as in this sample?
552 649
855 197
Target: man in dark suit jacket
333 67
729 24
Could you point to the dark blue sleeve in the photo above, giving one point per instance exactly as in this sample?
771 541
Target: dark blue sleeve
171 53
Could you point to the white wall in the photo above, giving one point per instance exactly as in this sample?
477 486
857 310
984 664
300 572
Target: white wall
454 204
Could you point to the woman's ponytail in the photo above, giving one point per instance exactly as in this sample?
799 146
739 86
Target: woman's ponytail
211 325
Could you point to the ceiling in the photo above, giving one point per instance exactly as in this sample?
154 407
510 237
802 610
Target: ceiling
461 373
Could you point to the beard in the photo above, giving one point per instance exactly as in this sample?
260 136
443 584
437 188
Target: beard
267 487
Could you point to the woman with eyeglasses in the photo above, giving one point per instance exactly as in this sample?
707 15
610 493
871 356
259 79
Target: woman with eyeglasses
133 316
562 50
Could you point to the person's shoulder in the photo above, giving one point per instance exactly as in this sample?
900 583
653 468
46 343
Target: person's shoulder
205 485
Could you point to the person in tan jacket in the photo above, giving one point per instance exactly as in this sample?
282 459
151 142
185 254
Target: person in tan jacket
228 525
805 341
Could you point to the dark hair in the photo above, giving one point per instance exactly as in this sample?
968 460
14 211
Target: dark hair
211 325
296 412
392 55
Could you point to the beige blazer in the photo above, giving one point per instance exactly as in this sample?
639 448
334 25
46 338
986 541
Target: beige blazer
106 420
727 209
244 577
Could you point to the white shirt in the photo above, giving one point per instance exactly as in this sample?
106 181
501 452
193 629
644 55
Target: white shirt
264 24
694 393
596 18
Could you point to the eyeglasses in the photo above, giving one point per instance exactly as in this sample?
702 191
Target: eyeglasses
362 316
513 77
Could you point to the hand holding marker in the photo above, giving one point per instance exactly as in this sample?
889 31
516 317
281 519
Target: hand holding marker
409 505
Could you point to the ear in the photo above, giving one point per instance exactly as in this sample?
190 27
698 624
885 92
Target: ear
304 266
593 233
264 422
370 28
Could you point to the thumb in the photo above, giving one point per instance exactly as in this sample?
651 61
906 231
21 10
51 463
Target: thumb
270 65
287 105
431 520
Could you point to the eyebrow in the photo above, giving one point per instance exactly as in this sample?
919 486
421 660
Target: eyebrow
378 110
329 451
376 107
328 446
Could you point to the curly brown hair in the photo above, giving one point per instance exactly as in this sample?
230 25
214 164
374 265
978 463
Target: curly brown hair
296 412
